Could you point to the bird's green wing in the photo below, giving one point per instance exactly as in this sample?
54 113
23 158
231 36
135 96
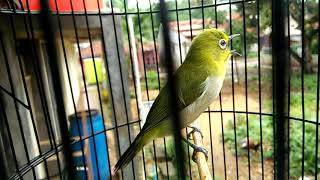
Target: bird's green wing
189 88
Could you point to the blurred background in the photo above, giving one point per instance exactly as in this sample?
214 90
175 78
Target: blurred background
111 69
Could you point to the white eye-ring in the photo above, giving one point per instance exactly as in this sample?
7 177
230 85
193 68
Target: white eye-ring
222 44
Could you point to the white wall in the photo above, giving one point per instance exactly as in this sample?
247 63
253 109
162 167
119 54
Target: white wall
74 72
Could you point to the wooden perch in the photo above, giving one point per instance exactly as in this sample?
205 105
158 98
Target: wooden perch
200 157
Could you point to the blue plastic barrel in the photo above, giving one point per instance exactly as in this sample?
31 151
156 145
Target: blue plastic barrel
101 156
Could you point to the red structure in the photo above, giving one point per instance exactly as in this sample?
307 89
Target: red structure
65 5
148 57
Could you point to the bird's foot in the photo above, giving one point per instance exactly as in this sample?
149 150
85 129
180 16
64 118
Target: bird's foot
194 129
196 149
199 149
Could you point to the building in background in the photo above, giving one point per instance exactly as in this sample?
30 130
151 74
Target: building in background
27 99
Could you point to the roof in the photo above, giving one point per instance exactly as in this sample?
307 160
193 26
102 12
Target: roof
184 26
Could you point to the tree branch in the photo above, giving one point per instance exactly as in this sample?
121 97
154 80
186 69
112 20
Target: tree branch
201 161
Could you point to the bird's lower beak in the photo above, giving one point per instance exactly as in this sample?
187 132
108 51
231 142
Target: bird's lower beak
233 36
234 52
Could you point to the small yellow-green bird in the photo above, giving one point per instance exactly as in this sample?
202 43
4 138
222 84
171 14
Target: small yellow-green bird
199 81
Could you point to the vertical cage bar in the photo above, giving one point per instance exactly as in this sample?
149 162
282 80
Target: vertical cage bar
233 98
221 109
302 86
186 129
289 86
246 82
178 29
317 108
216 26
53 62
181 61
172 92
280 59
259 76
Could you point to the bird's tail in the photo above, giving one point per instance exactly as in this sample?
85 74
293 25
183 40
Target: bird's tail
129 154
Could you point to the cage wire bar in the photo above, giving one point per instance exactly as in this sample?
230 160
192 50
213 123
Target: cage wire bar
289 86
317 108
233 96
280 60
281 89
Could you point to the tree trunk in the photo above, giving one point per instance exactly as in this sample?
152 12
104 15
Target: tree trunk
308 57
307 68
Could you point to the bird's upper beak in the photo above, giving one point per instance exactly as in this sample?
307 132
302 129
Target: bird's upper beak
233 36
234 52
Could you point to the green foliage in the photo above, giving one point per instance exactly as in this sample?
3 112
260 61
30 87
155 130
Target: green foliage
254 127
267 135
171 153
265 15
251 24
117 4
152 80
237 43
145 21
310 82
296 148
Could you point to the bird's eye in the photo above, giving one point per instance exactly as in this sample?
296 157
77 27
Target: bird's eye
222 43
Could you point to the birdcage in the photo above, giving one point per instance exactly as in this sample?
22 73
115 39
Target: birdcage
78 79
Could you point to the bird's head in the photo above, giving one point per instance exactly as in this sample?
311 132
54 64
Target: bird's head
215 43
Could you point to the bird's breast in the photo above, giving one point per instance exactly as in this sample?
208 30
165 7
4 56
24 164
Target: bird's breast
212 87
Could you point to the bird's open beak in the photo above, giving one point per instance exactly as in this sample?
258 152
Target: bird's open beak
234 52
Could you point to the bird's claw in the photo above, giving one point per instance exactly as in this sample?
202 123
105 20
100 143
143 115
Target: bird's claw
199 149
194 129
196 149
